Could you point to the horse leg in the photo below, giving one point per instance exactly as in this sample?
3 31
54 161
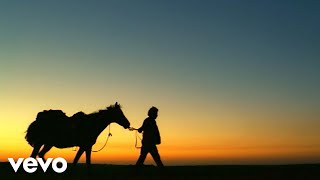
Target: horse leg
44 150
78 155
88 159
35 150
88 156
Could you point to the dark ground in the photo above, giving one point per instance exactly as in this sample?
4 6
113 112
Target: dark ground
225 172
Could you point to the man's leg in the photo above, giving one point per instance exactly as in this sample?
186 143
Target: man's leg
143 154
156 157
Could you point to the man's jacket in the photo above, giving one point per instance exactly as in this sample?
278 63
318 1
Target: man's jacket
151 134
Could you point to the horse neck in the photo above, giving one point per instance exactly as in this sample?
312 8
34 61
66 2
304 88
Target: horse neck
99 124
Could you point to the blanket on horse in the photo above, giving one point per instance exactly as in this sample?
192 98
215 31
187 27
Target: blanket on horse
56 127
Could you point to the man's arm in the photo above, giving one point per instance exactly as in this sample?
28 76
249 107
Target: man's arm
142 127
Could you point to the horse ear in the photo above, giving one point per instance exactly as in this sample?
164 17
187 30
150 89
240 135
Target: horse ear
116 104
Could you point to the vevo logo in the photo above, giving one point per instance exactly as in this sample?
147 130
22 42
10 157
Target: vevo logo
30 164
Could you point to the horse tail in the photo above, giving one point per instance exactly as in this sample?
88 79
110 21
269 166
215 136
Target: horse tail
32 133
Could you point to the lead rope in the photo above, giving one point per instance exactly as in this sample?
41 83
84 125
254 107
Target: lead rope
136 143
109 134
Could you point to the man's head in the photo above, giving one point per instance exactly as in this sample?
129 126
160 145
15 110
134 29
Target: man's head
153 112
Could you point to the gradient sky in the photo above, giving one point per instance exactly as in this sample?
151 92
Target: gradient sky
236 82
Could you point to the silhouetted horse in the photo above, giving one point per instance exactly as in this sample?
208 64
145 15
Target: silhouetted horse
54 128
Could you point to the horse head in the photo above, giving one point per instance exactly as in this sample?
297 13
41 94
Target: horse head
116 115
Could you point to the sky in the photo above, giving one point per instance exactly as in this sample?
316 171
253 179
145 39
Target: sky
235 82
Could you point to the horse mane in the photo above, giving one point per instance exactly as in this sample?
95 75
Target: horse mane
112 106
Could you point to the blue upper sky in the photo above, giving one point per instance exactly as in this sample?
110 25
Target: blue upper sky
250 46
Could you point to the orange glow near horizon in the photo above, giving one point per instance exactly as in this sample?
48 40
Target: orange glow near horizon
208 132
186 147
174 156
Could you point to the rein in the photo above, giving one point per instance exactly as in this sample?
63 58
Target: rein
109 134
137 137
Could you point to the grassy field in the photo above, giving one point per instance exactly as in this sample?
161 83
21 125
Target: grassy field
225 172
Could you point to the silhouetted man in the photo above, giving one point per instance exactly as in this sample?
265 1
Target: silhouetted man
151 137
